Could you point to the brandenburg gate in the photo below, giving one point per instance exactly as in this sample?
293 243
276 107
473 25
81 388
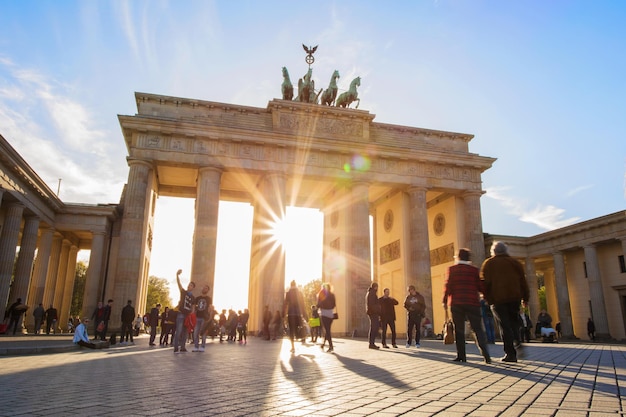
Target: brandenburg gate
421 187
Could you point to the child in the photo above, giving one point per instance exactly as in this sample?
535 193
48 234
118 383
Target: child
314 324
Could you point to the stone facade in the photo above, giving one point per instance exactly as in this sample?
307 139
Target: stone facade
421 187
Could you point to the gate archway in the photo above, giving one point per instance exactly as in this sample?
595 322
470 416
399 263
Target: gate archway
422 188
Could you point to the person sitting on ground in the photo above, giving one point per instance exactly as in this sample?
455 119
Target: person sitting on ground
81 337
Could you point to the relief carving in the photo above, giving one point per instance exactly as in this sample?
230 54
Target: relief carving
390 252
442 254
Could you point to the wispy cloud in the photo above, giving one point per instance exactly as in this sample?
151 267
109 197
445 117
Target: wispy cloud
56 135
577 190
547 217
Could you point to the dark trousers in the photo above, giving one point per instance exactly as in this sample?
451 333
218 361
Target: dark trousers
472 313
374 326
153 329
86 344
414 322
13 322
392 327
294 322
127 331
327 322
507 315
524 334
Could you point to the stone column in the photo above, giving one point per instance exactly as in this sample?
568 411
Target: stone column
533 285
474 239
130 260
205 231
1 194
59 291
53 269
562 296
68 288
8 246
40 271
596 292
24 265
358 259
419 247
92 293
270 253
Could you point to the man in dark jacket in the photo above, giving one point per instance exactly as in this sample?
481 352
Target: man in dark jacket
14 314
51 319
373 312
128 316
153 321
388 317
415 307
505 288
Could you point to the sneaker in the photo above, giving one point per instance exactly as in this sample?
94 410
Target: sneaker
374 347
395 346
176 350
386 347
201 349
408 345
183 350
195 350
417 345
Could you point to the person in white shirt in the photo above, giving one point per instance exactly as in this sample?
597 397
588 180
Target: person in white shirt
81 337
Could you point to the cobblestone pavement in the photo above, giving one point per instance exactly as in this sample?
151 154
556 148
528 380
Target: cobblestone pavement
263 378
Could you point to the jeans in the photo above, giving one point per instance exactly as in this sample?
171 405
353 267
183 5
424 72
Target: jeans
472 314
180 337
414 322
374 326
507 315
196 333
490 329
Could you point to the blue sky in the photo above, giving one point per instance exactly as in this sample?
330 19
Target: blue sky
540 84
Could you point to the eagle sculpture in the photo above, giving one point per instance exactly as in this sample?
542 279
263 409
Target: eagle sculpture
310 50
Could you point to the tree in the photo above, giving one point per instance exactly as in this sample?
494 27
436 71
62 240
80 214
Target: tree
158 293
309 292
79 288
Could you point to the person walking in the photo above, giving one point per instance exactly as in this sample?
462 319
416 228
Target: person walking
591 329
293 308
373 313
326 303
185 307
51 319
128 315
505 288
38 314
98 320
153 321
315 323
14 314
108 308
203 302
267 318
415 306
461 289
388 317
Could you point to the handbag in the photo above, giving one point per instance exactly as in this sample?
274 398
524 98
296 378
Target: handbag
335 316
100 327
448 331
314 322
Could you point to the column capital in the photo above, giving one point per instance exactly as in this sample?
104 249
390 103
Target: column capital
211 168
476 193
135 161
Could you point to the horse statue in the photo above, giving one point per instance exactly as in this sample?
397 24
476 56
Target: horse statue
286 87
305 85
345 99
330 94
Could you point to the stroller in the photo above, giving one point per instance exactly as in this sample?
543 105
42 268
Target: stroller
547 334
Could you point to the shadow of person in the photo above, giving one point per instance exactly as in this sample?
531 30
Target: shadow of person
367 370
302 370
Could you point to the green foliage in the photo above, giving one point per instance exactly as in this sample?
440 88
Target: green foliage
541 294
309 291
79 288
158 293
